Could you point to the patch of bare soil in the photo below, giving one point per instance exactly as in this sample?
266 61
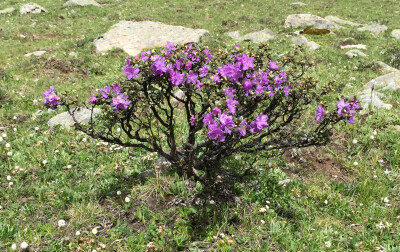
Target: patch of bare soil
46 36
53 67
319 160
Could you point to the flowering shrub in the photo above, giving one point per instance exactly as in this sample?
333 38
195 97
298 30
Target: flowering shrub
236 101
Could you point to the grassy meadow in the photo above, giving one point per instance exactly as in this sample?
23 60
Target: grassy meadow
340 197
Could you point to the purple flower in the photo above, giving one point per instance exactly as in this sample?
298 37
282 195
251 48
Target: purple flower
260 89
120 102
216 133
145 55
226 122
207 118
131 72
247 85
176 78
203 71
259 124
341 106
192 120
92 99
230 92
320 112
208 55
159 67
273 65
286 90
116 88
188 65
199 85
179 64
191 77
232 72
51 98
271 90
128 62
246 62
105 91
242 127
231 105
216 111
170 46
216 78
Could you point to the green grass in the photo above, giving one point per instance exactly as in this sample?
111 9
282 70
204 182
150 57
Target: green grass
336 202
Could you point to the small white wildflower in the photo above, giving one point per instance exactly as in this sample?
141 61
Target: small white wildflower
326 202
262 210
78 233
380 225
15 118
84 140
14 246
15 129
262 222
35 102
372 137
386 200
36 128
355 163
361 204
387 172
8 145
127 199
212 202
94 250
118 192
328 244
380 160
374 133
94 231
4 135
44 162
11 183
382 52
1 207
9 153
61 223
24 245
1 139
222 235
119 130
56 151
31 135
355 141
352 78
8 177
69 166
268 203
102 245
375 176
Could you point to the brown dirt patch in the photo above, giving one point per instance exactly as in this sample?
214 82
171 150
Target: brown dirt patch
62 66
47 35
319 160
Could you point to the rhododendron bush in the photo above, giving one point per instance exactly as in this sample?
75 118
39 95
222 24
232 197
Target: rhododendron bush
196 108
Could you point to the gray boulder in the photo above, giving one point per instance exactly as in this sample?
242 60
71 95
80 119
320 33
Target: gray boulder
31 8
82 115
255 37
373 28
305 20
36 53
396 34
302 41
7 10
133 37
385 68
359 46
73 3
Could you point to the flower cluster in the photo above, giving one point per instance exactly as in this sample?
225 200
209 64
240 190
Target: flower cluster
344 109
51 98
119 101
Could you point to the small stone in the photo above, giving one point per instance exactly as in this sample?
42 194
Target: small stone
299 3
306 20
374 28
312 45
396 127
385 68
255 37
359 46
82 115
299 40
31 8
36 53
73 54
7 10
355 53
73 3
396 34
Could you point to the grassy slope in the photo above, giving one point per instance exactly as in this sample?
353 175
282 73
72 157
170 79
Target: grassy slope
85 194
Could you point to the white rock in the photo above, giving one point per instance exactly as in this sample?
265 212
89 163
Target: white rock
305 20
396 34
7 10
355 53
133 37
299 40
72 3
255 37
31 8
73 54
312 45
386 68
65 120
299 3
36 53
359 46
373 28
338 20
